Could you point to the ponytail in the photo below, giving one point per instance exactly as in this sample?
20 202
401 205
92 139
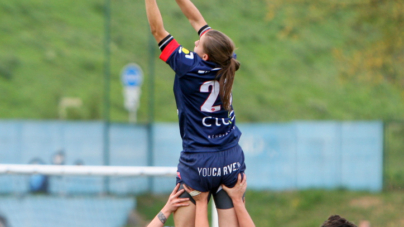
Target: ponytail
226 78
220 48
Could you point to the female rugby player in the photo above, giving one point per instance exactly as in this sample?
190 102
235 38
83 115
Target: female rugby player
203 83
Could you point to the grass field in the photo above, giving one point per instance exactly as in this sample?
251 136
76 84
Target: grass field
394 156
55 49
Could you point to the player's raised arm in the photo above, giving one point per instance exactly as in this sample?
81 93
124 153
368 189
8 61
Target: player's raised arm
155 20
192 13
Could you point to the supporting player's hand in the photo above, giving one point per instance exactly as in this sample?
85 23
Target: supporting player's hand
202 196
174 202
237 192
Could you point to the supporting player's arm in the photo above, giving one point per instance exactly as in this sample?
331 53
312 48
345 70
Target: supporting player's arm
201 202
155 20
201 213
172 205
236 194
192 13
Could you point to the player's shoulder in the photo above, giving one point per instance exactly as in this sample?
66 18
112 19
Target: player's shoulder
205 67
187 55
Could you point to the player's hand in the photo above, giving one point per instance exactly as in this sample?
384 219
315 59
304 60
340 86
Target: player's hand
202 196
237 192
174 202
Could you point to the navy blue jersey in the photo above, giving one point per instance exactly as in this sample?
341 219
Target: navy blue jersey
205 126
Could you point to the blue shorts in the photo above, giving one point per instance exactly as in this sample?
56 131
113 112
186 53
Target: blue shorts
208 170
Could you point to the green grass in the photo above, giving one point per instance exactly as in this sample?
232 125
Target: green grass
306 208
55 49
394 156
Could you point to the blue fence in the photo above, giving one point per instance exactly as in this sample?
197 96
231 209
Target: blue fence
48 211
303 155
281 156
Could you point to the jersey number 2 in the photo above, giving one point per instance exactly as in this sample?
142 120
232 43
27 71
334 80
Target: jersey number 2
214 92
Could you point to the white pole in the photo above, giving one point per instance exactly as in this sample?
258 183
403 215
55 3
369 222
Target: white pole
88 170
215 218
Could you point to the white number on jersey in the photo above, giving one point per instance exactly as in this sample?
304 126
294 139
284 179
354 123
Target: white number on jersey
190 55
210 101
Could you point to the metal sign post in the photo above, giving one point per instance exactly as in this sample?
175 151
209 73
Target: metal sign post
132 78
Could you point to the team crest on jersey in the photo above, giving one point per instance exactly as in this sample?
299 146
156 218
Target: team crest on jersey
184 50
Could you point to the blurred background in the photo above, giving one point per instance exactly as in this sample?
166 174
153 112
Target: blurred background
319 98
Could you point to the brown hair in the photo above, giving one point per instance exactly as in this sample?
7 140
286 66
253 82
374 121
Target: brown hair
337 221
219 47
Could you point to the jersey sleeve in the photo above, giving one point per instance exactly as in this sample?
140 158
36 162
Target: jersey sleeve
203 30
179 58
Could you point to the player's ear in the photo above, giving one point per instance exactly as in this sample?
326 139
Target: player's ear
205 57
